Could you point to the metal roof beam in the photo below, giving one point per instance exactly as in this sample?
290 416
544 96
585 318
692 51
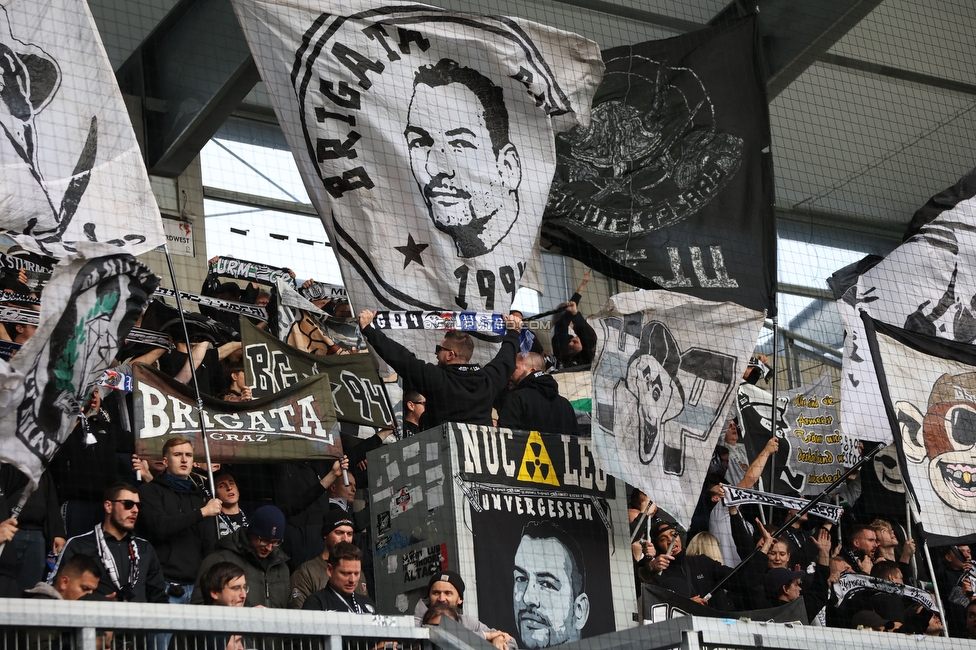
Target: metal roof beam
191 73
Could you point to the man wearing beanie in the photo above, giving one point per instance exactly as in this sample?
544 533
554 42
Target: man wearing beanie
447 587
257 550
337 526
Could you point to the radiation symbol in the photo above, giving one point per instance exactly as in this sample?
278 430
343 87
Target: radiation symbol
536 465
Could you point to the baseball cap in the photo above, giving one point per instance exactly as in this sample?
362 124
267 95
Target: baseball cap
776 579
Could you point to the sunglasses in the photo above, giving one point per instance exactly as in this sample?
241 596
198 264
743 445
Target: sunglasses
128 504
418 403
440 348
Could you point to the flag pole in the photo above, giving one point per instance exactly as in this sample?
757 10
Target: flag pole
796 517
774 417
935 583
193 379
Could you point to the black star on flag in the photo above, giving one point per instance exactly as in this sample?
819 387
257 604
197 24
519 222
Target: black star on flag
411 252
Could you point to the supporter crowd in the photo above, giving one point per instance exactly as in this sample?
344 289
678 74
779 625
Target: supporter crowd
107 524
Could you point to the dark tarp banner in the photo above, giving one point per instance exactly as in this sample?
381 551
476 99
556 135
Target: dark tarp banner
271 366
659 605
668 186
294 424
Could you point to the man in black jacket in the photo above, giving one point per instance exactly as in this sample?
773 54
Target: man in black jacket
343 567
455 389
130 569
534 403
179 519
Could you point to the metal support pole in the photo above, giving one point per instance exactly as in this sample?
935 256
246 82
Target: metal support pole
193 381
935 588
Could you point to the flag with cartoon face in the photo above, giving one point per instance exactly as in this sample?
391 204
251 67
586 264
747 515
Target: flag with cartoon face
89 307
73 177
929 390
425 139
664 375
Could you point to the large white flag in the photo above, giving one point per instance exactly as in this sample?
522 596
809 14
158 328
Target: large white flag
665 371
926 285
88 309
73 179
929 385
425 139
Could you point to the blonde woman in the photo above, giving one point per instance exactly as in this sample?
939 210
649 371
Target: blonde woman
705 544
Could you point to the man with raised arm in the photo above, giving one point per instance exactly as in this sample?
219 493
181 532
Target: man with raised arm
455 389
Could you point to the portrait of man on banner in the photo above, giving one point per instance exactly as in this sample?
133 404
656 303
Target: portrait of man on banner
465 165
425 139
544 580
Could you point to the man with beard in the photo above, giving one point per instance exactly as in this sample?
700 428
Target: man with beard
549 598
337 526
534 403
467 170
447 589
131 572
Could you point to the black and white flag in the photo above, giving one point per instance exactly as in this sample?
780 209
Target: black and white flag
424 137
73 176
926 285
668 186
929 390
89 307
664 373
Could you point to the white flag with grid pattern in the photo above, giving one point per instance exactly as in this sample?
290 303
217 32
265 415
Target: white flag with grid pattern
73 177
664 374
425 139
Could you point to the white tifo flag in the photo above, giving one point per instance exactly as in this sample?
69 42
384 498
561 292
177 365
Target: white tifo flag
88 309
926 285
664 377
425 139
73 179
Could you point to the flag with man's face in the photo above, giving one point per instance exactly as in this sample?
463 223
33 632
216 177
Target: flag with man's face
425 139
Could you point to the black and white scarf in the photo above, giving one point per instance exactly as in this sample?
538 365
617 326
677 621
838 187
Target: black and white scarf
108 560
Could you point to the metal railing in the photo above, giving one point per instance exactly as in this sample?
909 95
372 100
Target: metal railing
56 625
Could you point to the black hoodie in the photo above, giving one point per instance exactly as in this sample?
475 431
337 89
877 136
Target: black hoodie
535 405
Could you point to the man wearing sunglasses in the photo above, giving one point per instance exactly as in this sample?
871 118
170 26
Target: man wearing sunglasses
131 571
455 389
256 549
